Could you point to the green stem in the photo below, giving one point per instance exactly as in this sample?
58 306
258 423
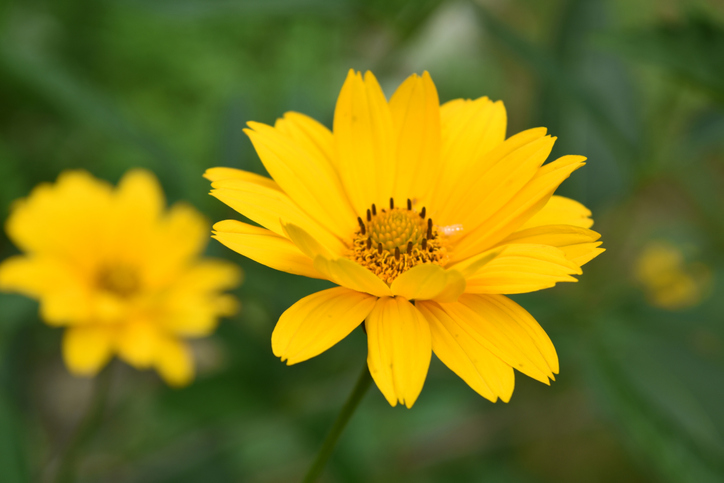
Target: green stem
86 428
360 389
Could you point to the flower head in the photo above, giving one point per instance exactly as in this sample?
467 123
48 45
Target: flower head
423 215
669 281
118 271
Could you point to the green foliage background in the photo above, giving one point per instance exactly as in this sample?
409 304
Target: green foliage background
637 86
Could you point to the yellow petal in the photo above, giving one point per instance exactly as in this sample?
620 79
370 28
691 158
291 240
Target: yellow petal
486 373
138 343
270 207
192 305
365 143
319 321
456 193
469 267
429 282
305 242
140 196
309 180
174 362
508 331
399 349
523 268
87 348
181 235
137 208
347 273
578 244
62 293
221 173
487 187
470 129
265 247
561 211
311 135
66 219
518 210
415 110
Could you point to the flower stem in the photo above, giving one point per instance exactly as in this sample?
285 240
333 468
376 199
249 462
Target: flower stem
345 414
85 429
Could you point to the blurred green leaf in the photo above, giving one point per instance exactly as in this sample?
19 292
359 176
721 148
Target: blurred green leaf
13 467
653 406
690 50
555 75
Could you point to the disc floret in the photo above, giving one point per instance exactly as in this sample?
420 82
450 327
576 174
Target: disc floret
394 240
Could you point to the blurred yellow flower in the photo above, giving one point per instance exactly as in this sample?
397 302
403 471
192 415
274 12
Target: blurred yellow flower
121 273
669 282
424 215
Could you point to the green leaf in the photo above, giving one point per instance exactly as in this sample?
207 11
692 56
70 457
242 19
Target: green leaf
690 50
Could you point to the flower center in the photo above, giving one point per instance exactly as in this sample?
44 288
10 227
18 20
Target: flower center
119 280
390 242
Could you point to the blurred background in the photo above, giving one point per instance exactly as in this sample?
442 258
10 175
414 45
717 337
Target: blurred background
637 86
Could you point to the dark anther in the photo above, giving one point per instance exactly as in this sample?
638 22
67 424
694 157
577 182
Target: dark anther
409 204
369 243
361 225
429 228
369 215
397 253
409 248
374 209
422 213
424 243
392 203
379 249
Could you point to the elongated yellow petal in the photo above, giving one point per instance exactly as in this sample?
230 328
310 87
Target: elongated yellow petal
138 342
308 179
469 267
519 209
138 205
415 110
522 268
310 134
265 247
347 273
521 316
62 291
319 321
180 235
505 332
40 223
174 362
192 305
87 348
399 349
470 129
365 141
220 174
561 211
429 282
486 373
455 195
306 242
484 191
578 244
270 208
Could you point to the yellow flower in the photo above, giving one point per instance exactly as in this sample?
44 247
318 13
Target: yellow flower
121 273
424 215
669 282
